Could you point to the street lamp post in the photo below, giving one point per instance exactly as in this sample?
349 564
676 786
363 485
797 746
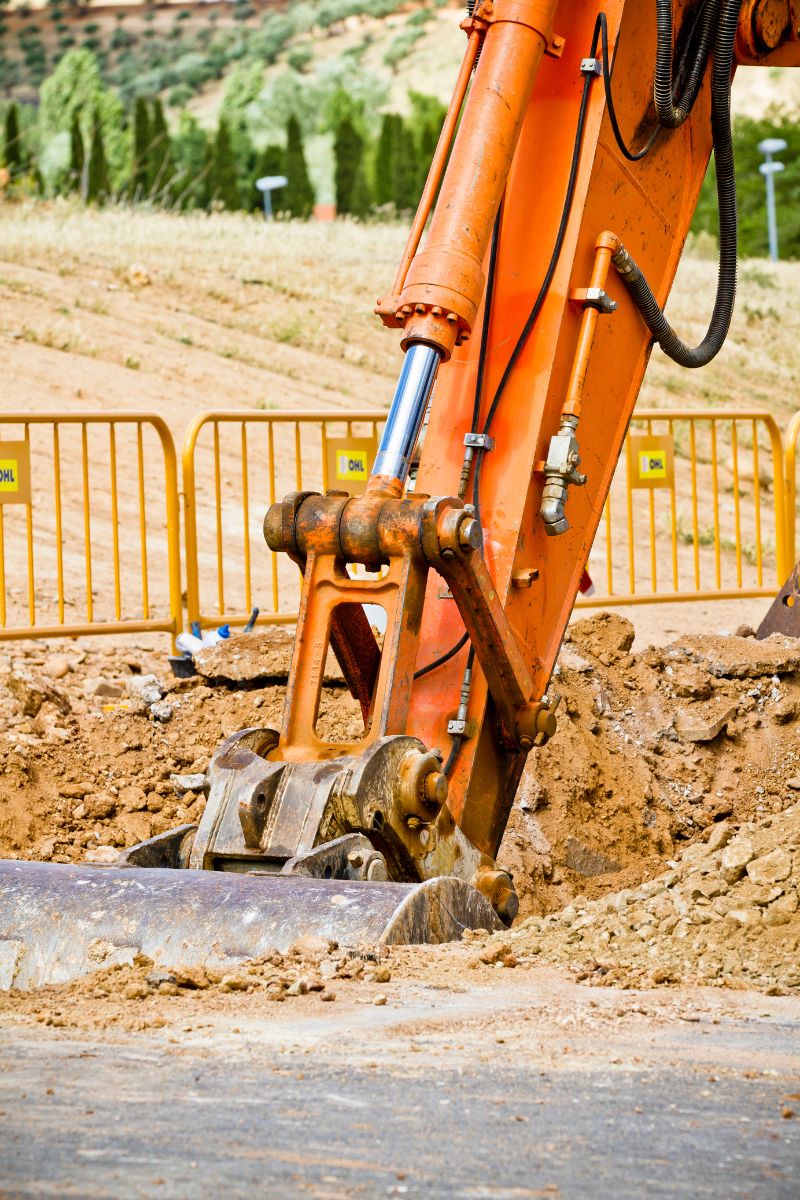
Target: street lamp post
267 185
769 169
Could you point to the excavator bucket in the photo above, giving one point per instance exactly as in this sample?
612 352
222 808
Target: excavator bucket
59 922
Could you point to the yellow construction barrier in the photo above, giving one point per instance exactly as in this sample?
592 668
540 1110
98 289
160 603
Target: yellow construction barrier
790 474
702 507
701 482
705 486
70 483
234 465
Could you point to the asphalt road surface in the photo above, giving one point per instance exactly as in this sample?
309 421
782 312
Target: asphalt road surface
545 1090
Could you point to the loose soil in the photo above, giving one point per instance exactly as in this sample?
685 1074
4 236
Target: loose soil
665 762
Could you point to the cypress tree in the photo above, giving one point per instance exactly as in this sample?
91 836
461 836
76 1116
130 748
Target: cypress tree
298 199
405 166
161 169
361 199
193 164
427 141
384 163
348 150
12 148
140 173
224 186
97 189
77 156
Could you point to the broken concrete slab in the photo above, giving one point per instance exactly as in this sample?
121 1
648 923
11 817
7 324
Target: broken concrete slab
705 725
254 658
743 658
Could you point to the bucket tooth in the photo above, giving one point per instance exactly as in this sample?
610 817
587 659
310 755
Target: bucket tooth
58 922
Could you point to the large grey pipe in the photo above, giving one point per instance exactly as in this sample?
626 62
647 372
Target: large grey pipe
403 424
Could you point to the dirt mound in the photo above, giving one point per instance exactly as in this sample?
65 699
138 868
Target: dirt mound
652 750
726 914
103 748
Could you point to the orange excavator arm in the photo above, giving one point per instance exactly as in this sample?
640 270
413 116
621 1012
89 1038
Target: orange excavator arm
527 320
584 130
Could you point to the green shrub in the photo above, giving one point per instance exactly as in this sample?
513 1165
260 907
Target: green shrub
401 47
299 57
180 96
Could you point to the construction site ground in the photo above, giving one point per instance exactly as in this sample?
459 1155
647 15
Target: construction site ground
638 1028
636 1034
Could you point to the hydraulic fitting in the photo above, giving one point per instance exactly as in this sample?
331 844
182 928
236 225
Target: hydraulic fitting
561 470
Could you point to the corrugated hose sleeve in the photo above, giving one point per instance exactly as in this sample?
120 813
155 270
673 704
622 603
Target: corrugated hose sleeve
669 112
628 270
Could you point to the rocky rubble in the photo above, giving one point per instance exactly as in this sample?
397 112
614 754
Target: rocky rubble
725 914
312 967
652 750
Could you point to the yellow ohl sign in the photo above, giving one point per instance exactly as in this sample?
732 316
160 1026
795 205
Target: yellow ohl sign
348 462
650 461
15 473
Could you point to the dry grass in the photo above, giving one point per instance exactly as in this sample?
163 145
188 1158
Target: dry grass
241 314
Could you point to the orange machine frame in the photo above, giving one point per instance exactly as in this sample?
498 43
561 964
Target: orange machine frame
514 146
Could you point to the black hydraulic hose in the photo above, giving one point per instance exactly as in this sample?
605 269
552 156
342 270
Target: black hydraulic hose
533 315
669 116
669 113
458 738
439 662
631 155
630 273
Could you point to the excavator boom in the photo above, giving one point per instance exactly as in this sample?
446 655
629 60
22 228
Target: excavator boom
567 175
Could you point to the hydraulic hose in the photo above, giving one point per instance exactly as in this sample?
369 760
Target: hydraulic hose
669 113
630 273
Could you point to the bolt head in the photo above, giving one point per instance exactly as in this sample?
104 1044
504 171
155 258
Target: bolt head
469 534
435 788
355 858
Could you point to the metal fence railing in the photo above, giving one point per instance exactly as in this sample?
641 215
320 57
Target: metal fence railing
702 506
234 465
89 525
790 475
696 511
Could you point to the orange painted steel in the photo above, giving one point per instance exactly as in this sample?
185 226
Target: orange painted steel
386 308
516 140
445 281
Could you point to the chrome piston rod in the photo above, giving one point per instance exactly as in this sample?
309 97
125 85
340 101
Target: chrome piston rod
403 424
